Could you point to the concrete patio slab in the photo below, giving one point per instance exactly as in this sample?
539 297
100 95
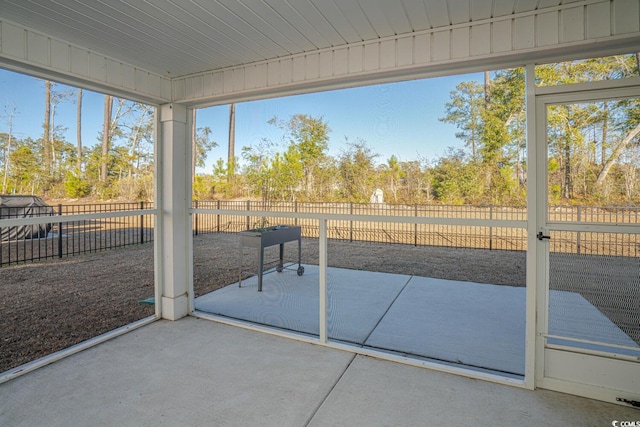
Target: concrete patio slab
186 373
467 323
572 316
357 301
200 373
480 326
375 393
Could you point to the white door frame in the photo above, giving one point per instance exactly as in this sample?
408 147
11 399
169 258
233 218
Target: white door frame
589 375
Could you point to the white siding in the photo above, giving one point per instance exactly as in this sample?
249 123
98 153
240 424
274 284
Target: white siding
405 51
37 48
530 31
501 36
481 39
37 54
440 49
598 20
547 29
524 33
626 16
341 61
572 24
520 33
460 43
513 35
371 56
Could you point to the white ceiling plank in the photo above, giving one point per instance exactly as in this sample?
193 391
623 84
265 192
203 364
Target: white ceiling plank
170 26
373 11
246 28
314 17
548 3
503 7
438 13
417 15
337 20
481 9
351 9
262 17
219 35
182 37
305 19
396 15
459 11
525 6
88 26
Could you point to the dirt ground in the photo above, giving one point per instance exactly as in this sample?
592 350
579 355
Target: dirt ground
50 305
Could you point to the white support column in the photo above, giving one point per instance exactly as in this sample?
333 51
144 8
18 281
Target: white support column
531 363
175 224
322 261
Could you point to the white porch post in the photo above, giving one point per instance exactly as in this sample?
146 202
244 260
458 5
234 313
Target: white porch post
175 229
533 212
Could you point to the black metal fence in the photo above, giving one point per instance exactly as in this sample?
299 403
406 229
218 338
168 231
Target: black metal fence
467 236
62 239
460 236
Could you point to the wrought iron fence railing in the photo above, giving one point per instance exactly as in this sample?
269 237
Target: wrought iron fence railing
64 238
460 236
468 236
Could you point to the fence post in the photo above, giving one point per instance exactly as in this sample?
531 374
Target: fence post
218 218
60 232
248 219
351 222
579 217
415 226
141 224
491 228
196 219
295 209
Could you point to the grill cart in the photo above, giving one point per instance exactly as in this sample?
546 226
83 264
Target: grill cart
260 238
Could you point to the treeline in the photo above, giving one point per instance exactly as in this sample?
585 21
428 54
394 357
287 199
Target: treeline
594 151
118 164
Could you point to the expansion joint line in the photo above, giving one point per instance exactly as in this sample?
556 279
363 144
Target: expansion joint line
364 342
324 399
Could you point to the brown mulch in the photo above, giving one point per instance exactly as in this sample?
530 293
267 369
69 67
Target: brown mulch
50 305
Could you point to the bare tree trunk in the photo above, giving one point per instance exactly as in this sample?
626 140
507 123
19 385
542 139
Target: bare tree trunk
487 89
52 139
605 129
232 137
616 153
194 146
567 170
106 137
79 132
47 127
7 150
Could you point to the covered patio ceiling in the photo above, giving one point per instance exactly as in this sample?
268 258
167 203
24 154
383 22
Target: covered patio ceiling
176 38
205 52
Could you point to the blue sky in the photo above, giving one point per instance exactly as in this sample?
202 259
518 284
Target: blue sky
398 119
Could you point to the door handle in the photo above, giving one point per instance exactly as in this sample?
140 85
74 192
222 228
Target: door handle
541 236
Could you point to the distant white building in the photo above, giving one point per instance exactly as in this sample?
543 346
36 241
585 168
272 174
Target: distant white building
377 196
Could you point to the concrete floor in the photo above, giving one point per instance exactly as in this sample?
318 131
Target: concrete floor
200 373
477 325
